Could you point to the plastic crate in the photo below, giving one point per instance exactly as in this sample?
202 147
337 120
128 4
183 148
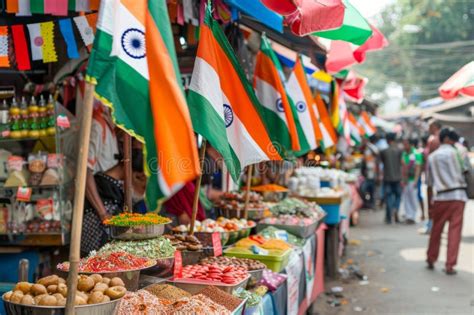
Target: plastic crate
274 263
333 213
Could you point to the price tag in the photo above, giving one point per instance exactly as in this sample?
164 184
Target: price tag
216 244
178 265
63 122
15 163
23 194
55 160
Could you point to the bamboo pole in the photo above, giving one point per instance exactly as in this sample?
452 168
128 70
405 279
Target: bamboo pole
202 154
247 191
127 164
79 195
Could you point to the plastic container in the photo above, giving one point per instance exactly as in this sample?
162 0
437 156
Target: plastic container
333 213
193 286
274 263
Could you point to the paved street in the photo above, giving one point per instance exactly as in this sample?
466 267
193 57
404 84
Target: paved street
393 258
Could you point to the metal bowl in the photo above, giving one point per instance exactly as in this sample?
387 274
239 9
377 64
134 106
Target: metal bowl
274 196
108 308
234 236
139 232
162 269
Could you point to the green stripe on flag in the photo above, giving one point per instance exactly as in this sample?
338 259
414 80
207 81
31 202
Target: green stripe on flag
213 128
71 5
37 6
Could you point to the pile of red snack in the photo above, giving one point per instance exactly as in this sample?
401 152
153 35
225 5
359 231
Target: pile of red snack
117 261
216 273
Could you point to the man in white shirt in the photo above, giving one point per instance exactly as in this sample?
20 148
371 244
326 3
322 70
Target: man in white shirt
445 177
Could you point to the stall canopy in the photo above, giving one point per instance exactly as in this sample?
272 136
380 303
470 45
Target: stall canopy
376 42
353 87
462 82
340 56
257 10
355 29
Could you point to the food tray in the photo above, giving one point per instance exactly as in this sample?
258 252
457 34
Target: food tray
108 308
162 269
130 277
303 231
274 263
240 309
193 286
139 232
252 214
255 277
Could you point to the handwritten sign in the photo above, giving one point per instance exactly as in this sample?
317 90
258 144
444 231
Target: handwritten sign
216 243
178 265
23 194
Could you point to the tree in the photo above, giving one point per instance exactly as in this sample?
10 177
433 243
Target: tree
429 41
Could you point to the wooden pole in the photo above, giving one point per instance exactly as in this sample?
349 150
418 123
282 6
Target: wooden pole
127 164
79 195
247 191
202 154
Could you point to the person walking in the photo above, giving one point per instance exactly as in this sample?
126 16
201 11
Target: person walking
445 177
370 171
412 161
392 166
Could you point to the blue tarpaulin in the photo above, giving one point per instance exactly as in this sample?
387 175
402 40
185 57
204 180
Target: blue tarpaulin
257 10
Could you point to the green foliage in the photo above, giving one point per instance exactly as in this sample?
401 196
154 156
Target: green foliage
421 61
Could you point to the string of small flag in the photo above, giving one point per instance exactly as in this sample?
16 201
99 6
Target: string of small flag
53 7
42 40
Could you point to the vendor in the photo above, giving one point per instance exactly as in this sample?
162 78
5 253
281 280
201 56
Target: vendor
109 185
180 206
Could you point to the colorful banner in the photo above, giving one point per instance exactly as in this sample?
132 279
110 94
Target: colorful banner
24 8
4 61
21 48
36 41
86 31
49 50
65 26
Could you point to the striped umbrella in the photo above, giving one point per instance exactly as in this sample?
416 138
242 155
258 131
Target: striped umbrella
462 82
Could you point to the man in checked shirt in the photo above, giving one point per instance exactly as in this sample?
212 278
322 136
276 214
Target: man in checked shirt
446 168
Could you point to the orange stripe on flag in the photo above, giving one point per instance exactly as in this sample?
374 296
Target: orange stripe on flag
172 124
138 8
325 118
267 72
92 20
94 4
12 6
301 76
234 90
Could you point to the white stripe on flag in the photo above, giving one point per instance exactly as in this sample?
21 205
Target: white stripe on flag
83 6
129 41
206 82
85 29
24 8
107 9
36 41
242 143
269 97
297 95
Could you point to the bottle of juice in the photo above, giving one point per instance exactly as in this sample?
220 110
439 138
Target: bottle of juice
42 117
4 121
51 127
33 113
24 120
15 120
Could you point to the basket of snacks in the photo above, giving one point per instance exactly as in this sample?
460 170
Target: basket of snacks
135 226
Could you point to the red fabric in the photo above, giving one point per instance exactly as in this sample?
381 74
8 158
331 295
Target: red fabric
376 42
462 82
314 16
340 56
283 7
21 48
353 86
182 201
446 211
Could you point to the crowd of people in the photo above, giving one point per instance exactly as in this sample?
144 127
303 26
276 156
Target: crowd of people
440 162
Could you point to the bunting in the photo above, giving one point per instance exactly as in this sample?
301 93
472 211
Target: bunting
49 49
4 61
21 48
65 26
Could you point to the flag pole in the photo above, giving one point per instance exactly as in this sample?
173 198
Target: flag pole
127 164
79 194
202 154
247 191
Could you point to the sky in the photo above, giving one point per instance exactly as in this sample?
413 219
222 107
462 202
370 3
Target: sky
369 8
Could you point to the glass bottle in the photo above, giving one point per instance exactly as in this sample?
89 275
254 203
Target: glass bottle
15 120
24 120
42 117
33 114
51 127
4 121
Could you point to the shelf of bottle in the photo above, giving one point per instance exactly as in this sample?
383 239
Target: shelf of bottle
26 139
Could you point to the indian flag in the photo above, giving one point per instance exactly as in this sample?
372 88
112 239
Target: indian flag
356 130
366 123
279 112
141 83
223 106
300 93
335 110
325 124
